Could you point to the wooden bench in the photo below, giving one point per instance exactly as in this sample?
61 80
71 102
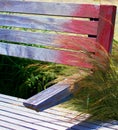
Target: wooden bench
54 32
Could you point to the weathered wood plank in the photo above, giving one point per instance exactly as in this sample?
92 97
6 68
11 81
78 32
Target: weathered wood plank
12 125
61 9
5 128
61 119
106 26
58 56
50 23
66 119
50 116
53 113
54 94
7 97
49 97
25 122
51 40
63 123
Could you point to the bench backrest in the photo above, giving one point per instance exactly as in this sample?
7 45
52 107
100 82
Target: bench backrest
51 31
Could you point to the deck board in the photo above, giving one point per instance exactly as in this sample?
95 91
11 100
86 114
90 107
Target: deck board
14 116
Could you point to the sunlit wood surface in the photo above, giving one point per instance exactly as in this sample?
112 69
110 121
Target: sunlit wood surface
106 2
14 116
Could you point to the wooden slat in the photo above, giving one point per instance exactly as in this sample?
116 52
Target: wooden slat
57 116
5 128
50 123
58 56
49 97
48 114
50 23
23 120
106 26
21 124
61 9
54 94
46 39
60 119
52 113
40 121
11 126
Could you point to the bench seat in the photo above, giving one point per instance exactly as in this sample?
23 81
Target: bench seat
13 115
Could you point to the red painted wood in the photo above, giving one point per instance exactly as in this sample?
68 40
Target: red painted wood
81 27
87 10
75 43
106 26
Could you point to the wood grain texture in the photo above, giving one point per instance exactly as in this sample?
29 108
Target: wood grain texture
48 39
50 23
62 9
49 97
54 94
15 115
57 56
59 48
106 26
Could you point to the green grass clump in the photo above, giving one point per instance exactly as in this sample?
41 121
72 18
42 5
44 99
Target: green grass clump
24 78
98 92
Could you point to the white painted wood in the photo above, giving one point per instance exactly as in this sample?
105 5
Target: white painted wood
12 126
19 120
5 128
15 116
11 97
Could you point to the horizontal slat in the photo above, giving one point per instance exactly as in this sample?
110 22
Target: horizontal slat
46 39
4 128
53 95
50 8
57 56
58 116
48 114
11 126
49 97
21 124
55 117
52 113
50 23
18 117
52 120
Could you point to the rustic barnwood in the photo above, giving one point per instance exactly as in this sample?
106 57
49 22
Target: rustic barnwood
54 32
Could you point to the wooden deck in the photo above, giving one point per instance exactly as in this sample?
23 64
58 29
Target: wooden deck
14 116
